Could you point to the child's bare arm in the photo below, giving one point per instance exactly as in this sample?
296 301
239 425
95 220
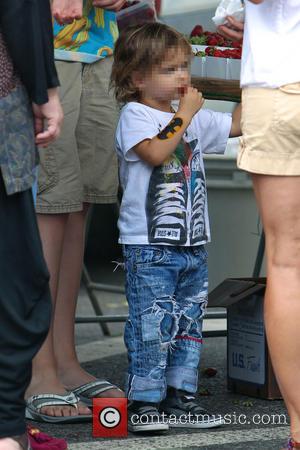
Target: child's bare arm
156 150
236 122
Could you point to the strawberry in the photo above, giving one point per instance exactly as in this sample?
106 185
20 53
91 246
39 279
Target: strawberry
226 54
197 31
236 44
200 37
209 51
209 372
221 42
212 41
235 54
218 53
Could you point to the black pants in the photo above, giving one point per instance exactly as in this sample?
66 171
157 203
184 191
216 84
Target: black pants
25 305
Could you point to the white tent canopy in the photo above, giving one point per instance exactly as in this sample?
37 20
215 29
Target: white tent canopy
170 7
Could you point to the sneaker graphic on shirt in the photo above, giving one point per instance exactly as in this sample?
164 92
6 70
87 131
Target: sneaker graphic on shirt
167 202
198 201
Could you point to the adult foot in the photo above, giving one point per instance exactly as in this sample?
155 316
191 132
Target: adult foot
52 386
75 376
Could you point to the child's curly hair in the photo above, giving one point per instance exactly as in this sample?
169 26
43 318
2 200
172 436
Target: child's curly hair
140 48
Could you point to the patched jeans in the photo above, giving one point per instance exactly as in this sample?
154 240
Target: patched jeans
166 289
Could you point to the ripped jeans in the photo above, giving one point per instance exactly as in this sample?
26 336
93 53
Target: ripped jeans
166 290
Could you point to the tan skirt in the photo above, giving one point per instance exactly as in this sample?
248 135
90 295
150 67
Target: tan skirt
270 143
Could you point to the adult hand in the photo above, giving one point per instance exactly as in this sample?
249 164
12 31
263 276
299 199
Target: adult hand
65 11
234 30
51 113
111 5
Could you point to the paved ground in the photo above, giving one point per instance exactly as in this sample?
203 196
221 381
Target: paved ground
106 357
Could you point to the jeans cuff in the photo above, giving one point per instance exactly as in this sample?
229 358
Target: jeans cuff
184 378
145 389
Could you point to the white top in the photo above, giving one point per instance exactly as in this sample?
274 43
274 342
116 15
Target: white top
271 56
166 205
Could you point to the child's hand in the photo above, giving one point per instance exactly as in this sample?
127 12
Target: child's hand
190 102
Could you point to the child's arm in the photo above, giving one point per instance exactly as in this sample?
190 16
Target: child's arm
156 150
236 122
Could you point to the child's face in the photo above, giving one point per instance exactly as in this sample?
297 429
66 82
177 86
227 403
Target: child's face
169 80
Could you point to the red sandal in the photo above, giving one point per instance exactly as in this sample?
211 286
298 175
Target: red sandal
292 444
42 441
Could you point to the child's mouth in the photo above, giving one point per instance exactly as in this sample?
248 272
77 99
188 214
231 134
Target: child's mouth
182 90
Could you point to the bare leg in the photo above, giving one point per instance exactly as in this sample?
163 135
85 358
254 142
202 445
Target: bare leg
279 202
9 444
69 370
69 284
44 371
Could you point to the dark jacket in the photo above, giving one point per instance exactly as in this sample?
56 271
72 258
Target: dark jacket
27 29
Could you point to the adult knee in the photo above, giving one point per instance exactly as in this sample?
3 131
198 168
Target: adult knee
284 250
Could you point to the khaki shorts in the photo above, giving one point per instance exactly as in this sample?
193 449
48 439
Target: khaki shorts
81 166
270 143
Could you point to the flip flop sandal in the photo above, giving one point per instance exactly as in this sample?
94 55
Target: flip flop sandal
86 392
36 402
42 441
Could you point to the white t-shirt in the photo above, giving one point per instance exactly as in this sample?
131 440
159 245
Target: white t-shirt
271 56
166 205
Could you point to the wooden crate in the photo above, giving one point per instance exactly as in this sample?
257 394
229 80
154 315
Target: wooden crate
218 89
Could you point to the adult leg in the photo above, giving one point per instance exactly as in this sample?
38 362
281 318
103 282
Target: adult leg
58 196
25 307
70 372
279 203
95 137
69 284
45 379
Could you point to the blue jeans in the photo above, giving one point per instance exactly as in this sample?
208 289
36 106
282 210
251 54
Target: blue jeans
166 290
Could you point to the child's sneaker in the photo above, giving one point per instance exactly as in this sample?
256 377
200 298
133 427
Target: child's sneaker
143 416
183 411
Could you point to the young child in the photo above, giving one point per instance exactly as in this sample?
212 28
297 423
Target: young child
164 222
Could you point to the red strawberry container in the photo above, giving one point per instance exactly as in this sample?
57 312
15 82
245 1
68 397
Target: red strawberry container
137 13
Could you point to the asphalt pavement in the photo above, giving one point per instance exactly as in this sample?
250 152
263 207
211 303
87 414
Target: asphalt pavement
252 423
